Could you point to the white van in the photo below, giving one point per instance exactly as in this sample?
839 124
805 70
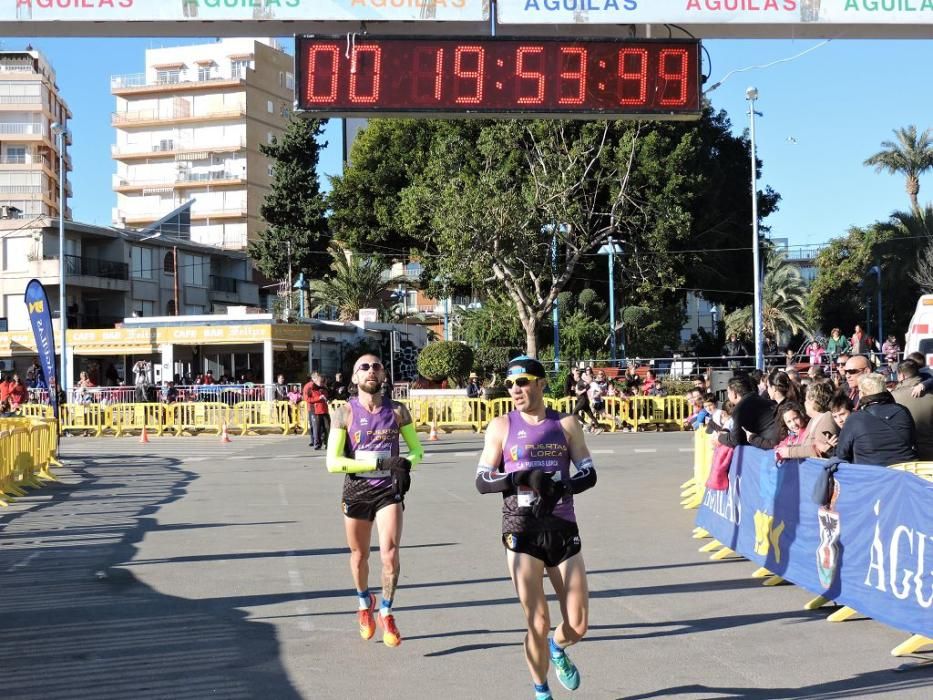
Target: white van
920 331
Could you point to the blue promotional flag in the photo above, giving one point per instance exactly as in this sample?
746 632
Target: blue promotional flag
40 316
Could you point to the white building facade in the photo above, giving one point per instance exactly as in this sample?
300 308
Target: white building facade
30 105
190 128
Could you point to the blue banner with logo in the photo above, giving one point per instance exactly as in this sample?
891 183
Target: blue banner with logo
870 549
40 316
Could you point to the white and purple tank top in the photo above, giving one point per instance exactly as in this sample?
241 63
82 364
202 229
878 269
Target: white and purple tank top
541 446
373 436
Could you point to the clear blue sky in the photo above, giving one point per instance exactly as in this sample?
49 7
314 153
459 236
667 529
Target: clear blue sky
824 113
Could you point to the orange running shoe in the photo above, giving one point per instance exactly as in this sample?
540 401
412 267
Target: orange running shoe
366 619
391 637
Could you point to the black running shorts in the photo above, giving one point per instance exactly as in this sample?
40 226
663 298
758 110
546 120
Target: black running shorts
362 499
550 546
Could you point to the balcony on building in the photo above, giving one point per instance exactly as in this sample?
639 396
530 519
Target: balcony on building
171 81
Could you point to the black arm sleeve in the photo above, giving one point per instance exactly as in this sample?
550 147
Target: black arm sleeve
491 480
584 479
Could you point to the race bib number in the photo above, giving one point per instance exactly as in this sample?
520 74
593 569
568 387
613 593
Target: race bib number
525 497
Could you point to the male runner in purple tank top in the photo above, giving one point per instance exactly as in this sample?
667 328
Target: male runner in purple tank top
527 459
364 445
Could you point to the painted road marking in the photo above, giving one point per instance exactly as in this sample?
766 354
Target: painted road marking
641 451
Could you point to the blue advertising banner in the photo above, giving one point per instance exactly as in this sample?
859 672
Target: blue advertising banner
870 549
40 316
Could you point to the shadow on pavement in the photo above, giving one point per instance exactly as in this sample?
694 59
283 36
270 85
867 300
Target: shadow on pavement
74 626
885 683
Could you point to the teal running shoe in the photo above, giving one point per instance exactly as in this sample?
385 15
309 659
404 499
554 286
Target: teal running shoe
543 696
567 673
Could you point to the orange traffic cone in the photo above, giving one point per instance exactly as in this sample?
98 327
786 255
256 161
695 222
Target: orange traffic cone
223 434
144 436
433 434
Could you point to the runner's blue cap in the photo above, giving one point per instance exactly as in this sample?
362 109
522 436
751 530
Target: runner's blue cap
525 365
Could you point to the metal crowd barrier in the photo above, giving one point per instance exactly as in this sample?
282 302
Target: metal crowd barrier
693 493
28 448
448 413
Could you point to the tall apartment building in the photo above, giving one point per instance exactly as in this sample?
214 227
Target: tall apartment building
190 127
29 105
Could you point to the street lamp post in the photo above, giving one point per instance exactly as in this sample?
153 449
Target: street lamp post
611 249
751 94
60 133
876 270
555 312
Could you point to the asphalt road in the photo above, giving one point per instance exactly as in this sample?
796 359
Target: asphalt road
191 569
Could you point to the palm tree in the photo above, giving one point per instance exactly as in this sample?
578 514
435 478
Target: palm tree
355 282
784 299
912 155
920 227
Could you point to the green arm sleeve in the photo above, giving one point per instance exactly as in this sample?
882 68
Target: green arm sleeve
415 450
337 462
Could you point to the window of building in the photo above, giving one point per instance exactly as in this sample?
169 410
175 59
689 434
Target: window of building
270 107
144 308
193 269
168 76
270 170
15 154
193 310
168 263
141 263
270 137
170 308
238 67
206 71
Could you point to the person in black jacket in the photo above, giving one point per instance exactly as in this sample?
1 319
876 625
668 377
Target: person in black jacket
780 389
753 414
881 431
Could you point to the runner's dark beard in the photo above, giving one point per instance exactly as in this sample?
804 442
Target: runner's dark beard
375 389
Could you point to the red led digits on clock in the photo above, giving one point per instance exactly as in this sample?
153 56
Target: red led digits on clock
636 59
318 73
522 75
479 54
527 77
568 75
666 75
427 73
360 68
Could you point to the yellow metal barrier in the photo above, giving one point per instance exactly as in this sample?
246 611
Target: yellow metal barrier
922 469
259 415
676 411
195 417
35 410
124 417
26 452
497 407
84 417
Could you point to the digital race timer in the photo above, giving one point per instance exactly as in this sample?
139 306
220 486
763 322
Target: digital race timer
491 76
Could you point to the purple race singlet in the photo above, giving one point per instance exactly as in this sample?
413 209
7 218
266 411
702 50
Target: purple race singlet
372 435
542 446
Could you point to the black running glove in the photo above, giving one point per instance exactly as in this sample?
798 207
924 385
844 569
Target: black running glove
400 469
549 494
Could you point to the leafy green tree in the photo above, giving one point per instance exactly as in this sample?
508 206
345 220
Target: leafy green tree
843 292
911 156
482 202
445 359
354 282
295 208
784 301
494 324
921 227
